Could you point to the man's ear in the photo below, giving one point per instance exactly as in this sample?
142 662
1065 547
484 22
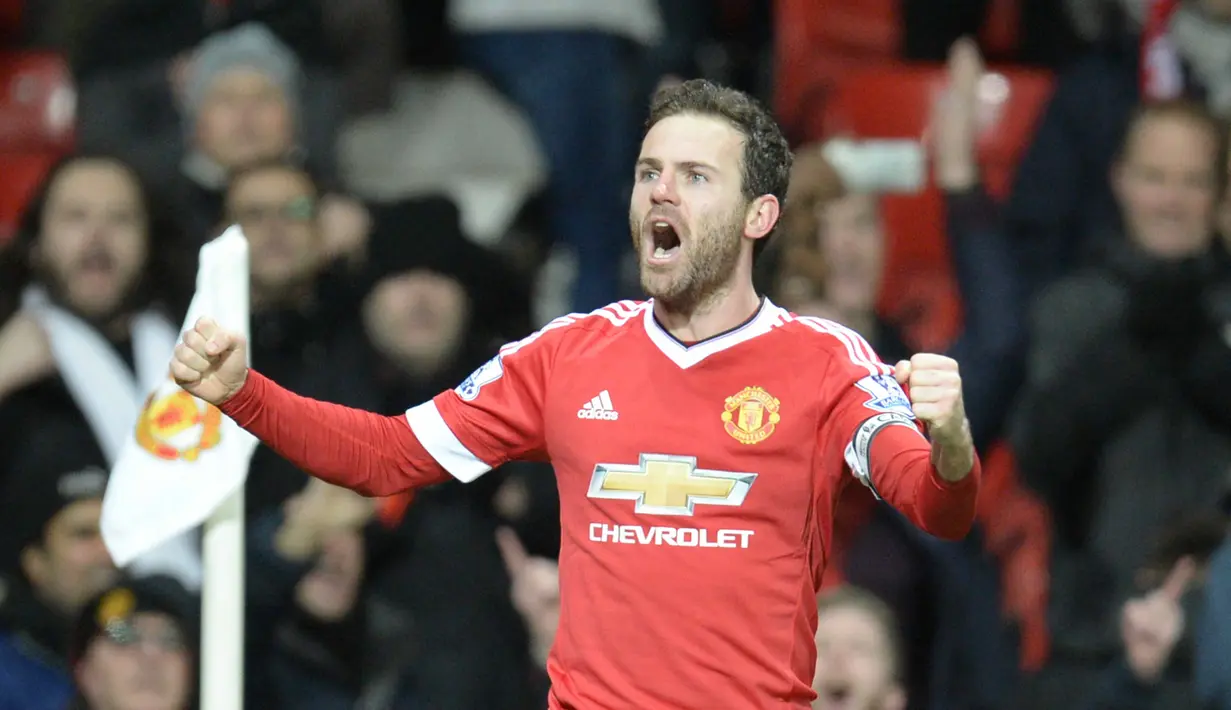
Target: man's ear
762 215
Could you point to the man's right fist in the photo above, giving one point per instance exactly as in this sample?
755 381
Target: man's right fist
210 363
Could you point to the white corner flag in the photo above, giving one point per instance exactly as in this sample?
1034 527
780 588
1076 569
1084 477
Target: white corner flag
184 465
184 457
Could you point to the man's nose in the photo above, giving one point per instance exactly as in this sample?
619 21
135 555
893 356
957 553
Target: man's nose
664 192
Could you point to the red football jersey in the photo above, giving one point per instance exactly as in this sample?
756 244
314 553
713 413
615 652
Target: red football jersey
697 488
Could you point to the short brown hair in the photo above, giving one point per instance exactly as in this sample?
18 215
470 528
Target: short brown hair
275 165
851 597
766 162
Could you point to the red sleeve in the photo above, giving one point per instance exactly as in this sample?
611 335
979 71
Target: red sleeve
872 427
496 414
369 453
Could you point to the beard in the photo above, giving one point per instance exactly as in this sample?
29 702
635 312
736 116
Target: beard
703 271
128 298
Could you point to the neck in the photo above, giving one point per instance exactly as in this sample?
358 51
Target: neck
722 311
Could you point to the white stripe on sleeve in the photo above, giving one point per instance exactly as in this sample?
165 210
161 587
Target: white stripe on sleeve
440 441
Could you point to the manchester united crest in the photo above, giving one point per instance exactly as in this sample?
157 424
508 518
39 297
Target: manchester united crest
749 416
176 425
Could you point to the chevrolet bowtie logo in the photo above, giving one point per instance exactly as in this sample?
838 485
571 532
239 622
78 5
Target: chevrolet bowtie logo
669 485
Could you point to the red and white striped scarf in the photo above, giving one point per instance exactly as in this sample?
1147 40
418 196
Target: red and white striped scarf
1162 76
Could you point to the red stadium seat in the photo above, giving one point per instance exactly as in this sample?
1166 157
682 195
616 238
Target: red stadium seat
818 42
896 102
38 104
20 175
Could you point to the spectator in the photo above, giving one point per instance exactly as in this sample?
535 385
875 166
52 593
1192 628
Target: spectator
434 312
53 562
834 265
1150 627
858 653
535 591
1062 209
133 648
241 99
302 330
1123 423
835 260
129 56
97 271
308 623
566 64
1155 662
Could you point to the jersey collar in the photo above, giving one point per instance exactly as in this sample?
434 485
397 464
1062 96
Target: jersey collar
766 317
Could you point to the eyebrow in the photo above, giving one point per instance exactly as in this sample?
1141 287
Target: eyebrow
656 164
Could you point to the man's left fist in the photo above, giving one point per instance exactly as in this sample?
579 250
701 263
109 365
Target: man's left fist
935 395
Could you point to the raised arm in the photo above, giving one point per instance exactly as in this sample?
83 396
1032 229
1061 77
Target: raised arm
877 429
493 417
369 453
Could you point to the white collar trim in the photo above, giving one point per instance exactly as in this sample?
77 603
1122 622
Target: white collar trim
767 317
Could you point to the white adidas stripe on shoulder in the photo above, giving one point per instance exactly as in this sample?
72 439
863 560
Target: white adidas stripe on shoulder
857 349
618 313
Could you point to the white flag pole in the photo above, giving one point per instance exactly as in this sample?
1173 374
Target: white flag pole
223 548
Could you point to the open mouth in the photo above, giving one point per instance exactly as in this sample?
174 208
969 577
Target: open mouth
96 262
665 239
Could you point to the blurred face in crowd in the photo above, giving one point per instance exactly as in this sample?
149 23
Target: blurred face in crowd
276 207
330 590
852 246
417 319
93 243
71 564
144 665
244 118
854 668
688 212
1167 185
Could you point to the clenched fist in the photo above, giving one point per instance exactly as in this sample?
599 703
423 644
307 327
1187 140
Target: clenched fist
210 363
935 395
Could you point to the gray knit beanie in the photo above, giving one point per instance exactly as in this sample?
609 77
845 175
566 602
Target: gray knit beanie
248 46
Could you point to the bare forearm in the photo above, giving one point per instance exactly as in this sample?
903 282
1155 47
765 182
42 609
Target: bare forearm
954 459
369 453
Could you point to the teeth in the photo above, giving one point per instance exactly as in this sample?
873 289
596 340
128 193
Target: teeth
661 253
662 225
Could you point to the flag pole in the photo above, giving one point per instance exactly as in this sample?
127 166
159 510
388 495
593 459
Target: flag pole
223 546
222 607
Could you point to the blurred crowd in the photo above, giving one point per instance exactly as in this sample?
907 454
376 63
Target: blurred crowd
422 180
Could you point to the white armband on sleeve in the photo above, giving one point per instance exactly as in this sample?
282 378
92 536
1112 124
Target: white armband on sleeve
858 452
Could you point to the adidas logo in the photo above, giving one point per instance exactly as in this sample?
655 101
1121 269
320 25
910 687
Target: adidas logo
599 408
